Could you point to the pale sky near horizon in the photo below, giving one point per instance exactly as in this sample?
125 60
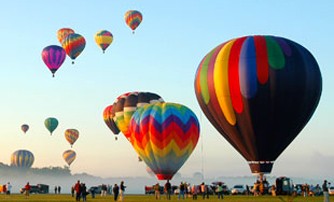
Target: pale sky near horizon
161 57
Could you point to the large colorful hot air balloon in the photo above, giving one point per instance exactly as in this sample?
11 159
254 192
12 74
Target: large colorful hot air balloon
25 127
133 18
108 116
164 135
259 92
51 124
62 34
22 159
69 156
74 44
71 135
103 39
126 104
53 56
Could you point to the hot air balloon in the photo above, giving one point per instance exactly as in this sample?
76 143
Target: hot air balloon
133 18
51 124
53 56
259 92
108 116
103 39
74 44
164 135
25 127
22 159
71 135
69 156
126 104
62 34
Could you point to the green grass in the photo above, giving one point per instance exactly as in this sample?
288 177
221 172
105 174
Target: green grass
148 198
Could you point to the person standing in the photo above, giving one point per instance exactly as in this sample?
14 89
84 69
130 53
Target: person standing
203 190
27 189
59 189
194 191
84 192
168 189
77 188
56 189
121 191
325 191
115 190
182 190
9 188
156 188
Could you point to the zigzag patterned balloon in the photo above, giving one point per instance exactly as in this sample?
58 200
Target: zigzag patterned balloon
164 135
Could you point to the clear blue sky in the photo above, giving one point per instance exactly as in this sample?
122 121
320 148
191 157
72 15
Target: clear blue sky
161 57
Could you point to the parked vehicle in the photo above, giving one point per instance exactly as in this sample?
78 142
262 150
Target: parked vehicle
37 189
238 189
284 186
95 189
331 190
226 190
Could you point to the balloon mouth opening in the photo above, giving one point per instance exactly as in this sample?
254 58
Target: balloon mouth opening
164 176
261 167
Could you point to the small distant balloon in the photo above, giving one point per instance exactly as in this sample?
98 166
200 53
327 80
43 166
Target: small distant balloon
22 159
133 18
71 135
62 34
74 44
69 156
53 56
25 128
103 39
51 124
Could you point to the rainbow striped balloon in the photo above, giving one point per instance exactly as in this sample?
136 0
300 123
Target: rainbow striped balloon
133 18
22 159
103 39
71 135
74 44
164 136
69 156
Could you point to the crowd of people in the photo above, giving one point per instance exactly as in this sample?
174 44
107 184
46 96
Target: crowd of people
79 191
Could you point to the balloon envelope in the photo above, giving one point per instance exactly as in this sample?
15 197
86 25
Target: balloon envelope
71 135
62 34
25 127
259 92
108 116
53 56
164 135
133 18
103 39
74 44
126 104
22 159
51 124
69 156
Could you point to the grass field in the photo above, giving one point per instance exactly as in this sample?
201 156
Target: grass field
148 198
